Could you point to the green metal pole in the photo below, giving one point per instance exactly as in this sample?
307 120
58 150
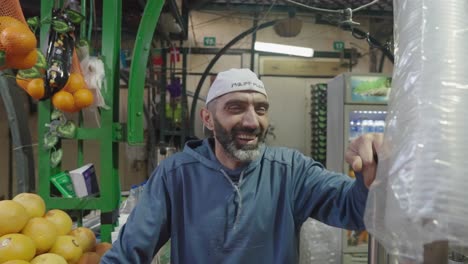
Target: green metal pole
80 156
83 23
44 110
109 148
80 115
91 15
136 81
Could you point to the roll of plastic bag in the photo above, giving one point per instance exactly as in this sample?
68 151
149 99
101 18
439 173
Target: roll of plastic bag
420 194
319 243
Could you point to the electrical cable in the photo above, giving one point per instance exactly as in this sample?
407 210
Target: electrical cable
347 12
366 5
259 21
313 8
348 24
329 10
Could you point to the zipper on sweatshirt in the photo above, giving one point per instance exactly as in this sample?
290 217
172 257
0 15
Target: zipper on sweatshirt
236 187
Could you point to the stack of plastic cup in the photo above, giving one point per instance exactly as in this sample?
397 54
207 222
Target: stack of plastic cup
421 191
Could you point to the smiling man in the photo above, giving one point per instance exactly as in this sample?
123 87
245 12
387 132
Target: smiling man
231 199
237 113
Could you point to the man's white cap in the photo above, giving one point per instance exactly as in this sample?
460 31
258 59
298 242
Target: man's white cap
235 80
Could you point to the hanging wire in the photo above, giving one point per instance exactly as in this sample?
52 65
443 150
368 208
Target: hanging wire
386 48
348 24
347 12
364 6
260 21
329 10
314 8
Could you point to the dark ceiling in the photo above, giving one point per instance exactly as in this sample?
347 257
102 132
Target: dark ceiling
132 9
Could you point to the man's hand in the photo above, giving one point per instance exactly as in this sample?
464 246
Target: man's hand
362 155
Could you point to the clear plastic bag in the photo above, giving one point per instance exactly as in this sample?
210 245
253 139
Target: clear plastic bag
127 206
319 243
419 195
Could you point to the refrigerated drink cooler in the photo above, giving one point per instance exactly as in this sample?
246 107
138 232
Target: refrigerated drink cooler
356 104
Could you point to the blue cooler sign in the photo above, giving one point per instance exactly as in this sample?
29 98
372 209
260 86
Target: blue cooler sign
370 88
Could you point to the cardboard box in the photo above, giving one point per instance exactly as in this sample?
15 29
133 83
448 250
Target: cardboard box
85 181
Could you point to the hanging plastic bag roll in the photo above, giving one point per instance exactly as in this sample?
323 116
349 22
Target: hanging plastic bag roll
419 195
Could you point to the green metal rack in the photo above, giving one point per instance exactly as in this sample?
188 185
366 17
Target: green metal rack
136 82
110 132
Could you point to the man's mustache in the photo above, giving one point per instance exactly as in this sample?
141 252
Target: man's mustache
238 130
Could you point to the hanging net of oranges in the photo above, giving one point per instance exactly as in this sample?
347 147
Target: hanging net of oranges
18 49
64 79
75 95
17 42
56 75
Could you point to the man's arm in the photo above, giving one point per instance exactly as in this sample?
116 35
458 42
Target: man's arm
334 198
147 228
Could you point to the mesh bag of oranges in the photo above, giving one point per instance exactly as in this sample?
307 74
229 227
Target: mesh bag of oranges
17 41
75 95
64 80
18 49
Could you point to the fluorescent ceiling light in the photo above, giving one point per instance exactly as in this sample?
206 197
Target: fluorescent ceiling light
283 49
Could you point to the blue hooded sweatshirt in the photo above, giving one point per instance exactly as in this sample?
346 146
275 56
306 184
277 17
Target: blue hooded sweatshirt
193 200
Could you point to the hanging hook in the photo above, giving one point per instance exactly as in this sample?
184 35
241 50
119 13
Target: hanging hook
348 18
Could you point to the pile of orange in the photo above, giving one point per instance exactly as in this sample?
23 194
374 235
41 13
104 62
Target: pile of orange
29 234
74 96
17 43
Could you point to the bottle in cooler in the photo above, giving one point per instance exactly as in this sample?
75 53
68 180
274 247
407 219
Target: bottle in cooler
380 126
359 128
352 129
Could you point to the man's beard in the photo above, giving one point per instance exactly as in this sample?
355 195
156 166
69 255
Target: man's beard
245 152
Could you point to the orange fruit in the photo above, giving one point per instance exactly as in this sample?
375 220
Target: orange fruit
64 101
74 83
16 247
102 248
83 98
17 39
33 203
36 88
13 217
85 237
21 61
90 258
61 220
48 258
23 83
42 231
68 248
8 21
